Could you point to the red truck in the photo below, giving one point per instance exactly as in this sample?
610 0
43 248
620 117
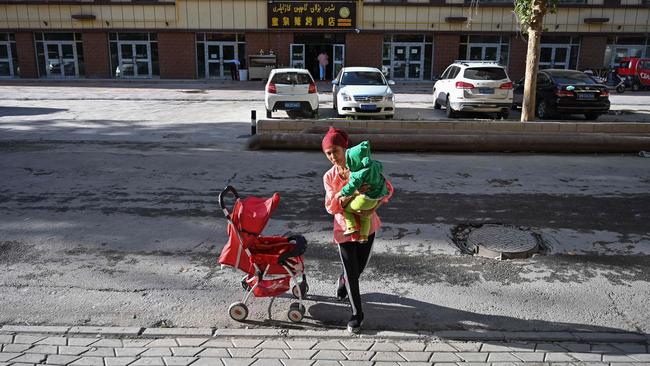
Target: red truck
635 71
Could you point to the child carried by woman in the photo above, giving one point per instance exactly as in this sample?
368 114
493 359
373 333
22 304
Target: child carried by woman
368 186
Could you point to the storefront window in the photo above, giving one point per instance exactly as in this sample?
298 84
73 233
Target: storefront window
59 55
619 47
134 55
559 52
407 56
484 48
215 53
8 56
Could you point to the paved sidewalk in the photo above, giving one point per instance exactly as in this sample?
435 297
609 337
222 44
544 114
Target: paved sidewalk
275 347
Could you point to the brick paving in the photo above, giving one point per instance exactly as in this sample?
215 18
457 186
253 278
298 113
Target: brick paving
181 347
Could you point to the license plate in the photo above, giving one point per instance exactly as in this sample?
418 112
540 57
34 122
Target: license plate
291 105
368 107
586 96
486 90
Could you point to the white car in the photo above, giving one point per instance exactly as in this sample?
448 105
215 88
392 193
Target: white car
363 91
474 86
293 91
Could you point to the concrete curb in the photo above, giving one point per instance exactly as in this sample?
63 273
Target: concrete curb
480 335
459 135
466 142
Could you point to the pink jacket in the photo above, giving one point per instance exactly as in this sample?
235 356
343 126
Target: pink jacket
333 184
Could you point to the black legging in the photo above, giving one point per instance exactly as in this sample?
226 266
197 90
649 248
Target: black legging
355 257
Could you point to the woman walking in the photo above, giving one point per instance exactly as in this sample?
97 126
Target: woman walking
354 254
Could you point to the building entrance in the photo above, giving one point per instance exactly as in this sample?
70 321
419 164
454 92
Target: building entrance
306 48
61 59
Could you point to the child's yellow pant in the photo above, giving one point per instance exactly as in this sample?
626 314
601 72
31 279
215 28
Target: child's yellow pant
359 203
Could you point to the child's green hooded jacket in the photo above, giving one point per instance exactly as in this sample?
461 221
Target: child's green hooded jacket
364 170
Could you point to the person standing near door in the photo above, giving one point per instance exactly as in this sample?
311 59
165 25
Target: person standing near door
323 61
234 68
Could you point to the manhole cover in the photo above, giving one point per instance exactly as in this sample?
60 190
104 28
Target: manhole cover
497 241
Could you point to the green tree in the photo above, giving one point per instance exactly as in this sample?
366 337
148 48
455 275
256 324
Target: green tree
530 14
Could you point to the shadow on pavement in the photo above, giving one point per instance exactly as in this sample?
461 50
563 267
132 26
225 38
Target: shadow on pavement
28 111
386 312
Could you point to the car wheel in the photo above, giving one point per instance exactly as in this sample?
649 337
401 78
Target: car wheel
436 105
543 110
620 89
591 116
448 110
636 87
268 114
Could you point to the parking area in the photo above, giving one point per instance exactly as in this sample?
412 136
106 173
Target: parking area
200 102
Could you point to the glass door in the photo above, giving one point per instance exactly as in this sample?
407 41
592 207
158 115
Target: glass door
213 61
554 56
398 69
407 61
61 59
339 59
297 51
6 66
414 62
228 54
134 59
219 58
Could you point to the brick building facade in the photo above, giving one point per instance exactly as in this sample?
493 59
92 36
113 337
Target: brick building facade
410 40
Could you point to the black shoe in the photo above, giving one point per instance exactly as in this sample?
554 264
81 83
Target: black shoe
354 325
341 291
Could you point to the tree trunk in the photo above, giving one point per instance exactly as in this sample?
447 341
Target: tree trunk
532 60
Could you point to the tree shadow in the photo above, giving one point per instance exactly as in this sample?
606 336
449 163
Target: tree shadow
28 111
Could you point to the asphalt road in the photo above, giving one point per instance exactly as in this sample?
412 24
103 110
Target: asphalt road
108 216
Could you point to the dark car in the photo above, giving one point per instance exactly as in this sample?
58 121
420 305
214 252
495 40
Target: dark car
561 92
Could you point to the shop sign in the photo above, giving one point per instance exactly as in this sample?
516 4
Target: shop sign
311 14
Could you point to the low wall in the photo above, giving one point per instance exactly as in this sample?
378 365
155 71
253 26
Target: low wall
460 136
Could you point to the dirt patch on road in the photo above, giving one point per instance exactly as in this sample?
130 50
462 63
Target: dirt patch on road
12 252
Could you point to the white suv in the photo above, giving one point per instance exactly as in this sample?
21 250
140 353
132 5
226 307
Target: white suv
293 91
474 86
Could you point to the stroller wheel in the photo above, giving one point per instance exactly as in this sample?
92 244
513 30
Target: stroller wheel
304 288
296 312
238 311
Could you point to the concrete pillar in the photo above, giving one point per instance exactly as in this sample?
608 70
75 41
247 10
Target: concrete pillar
177 55
96 57
445 51
26 55
517 57
363 49
592 52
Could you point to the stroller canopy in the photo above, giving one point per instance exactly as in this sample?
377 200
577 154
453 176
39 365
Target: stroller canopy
251 214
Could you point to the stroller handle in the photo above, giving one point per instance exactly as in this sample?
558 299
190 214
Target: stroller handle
298 249
223 193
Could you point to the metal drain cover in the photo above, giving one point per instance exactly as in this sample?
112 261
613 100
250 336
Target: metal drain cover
502 242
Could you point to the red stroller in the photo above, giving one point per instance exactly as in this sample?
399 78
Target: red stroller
271 263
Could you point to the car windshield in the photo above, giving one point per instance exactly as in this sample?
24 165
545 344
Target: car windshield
485 73
362 78
573 78
291 78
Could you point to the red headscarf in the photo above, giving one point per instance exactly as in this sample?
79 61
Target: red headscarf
335 137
